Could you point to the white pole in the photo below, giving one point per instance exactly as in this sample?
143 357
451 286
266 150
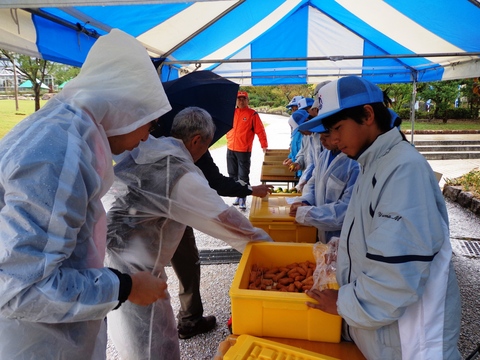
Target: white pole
412 108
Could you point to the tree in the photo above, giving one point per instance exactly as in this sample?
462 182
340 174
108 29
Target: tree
442 93
275 96
470 90
289 91
63 72
400 94
33 69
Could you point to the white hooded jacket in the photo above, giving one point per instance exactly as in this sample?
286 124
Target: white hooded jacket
399 294
54 168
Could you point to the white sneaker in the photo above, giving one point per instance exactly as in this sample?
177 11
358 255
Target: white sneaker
242 204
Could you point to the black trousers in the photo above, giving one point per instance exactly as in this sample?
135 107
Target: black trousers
186 264
238 165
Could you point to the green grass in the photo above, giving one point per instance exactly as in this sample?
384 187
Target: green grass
470 182
439 125
9 116
220 142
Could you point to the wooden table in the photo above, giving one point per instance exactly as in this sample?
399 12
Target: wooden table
343 350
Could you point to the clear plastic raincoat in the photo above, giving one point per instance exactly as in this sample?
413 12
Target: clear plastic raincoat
158 192
54 168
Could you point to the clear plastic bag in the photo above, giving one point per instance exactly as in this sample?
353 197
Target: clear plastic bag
324 276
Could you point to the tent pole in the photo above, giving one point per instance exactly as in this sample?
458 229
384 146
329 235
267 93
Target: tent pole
412 107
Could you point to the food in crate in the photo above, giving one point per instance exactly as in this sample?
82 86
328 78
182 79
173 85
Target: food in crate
294 277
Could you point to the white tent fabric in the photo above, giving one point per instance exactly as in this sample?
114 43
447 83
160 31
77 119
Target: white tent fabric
266 42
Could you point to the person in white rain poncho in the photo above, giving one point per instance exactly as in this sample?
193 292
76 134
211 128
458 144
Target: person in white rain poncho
158 191
55 166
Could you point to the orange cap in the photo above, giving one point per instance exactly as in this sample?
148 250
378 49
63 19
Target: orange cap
242 94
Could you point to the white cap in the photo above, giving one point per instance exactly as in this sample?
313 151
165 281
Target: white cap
294 101
315 93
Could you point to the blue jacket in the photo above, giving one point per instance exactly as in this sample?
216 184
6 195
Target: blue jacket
328 192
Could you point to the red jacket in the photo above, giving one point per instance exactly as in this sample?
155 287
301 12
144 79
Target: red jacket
246 123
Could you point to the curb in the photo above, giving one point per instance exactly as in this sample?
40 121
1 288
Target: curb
463 198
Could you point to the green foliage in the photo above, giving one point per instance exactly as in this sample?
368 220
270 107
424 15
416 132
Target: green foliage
400 94
275 96
470 182
33 69
459 113
442 93
63 73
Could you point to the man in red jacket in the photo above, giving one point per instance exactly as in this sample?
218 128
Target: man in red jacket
246 123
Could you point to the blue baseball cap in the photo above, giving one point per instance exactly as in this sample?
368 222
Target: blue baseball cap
296 119
340 94
304 103
393 116
294 101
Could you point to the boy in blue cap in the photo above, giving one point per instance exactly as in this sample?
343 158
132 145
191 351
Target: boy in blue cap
293 104
295 120
398 295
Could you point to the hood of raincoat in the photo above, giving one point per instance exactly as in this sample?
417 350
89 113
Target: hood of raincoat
118 85
154 149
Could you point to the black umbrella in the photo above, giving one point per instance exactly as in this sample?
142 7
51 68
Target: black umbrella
206 90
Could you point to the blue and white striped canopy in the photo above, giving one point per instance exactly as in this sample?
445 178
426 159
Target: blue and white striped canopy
263 42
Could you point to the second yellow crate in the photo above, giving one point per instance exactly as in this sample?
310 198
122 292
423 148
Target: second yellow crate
272 216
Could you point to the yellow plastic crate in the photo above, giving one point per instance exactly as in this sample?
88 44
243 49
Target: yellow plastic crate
274 313
272 216
253 348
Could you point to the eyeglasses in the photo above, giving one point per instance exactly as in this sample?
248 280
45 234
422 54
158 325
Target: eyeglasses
153 126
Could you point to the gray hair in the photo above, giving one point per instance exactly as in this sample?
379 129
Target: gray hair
193 121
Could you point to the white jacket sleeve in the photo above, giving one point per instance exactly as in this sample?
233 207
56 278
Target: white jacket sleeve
329 215
199 206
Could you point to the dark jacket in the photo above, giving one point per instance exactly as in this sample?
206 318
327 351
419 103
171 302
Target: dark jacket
224 185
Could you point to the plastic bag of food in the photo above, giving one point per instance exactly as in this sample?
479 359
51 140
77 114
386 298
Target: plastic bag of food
324 276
